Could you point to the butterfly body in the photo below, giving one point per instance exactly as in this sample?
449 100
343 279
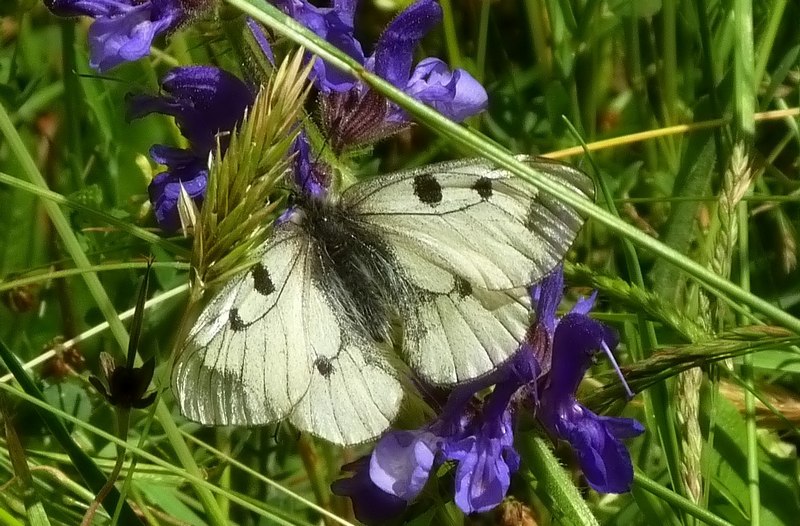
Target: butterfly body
354 268
432 263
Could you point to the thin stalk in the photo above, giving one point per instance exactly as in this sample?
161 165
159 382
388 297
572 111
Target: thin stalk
72 103
540 32
744 74
310 457
555 482
669 60
753 486
483 37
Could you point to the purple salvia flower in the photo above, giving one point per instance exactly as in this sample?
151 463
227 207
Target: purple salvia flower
205 102
565 347
544 374
352 114
597 440
479 441
123 30
455 94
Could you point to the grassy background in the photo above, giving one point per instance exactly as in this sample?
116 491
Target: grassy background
720 191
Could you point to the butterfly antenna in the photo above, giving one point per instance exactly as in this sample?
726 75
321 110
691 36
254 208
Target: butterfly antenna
138 86
610 355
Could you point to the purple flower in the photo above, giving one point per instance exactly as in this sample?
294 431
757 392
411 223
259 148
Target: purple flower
123 30
455 94
334 24
311 178
486 460
478 436
567 346
183 169
353 115
479 440
205 102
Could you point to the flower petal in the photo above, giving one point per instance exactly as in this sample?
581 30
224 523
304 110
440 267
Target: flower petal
334 24
183 169
401 462
603 457
456 94
204 101
486 460
394 51
128 34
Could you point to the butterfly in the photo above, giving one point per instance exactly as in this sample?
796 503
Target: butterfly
432 262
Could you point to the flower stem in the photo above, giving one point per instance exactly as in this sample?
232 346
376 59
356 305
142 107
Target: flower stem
555 486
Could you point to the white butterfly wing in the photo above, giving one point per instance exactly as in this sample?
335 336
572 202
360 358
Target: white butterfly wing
474 220
353 401
465 235
455 337
271 345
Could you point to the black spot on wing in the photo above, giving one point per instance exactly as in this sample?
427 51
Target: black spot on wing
427 189
236 322
484 187
261 280
462 287
324 366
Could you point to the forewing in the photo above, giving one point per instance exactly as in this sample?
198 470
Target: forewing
472 220
246 360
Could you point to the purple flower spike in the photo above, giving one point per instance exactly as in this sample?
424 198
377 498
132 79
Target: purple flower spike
597 440
123 30
371 504
205 102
